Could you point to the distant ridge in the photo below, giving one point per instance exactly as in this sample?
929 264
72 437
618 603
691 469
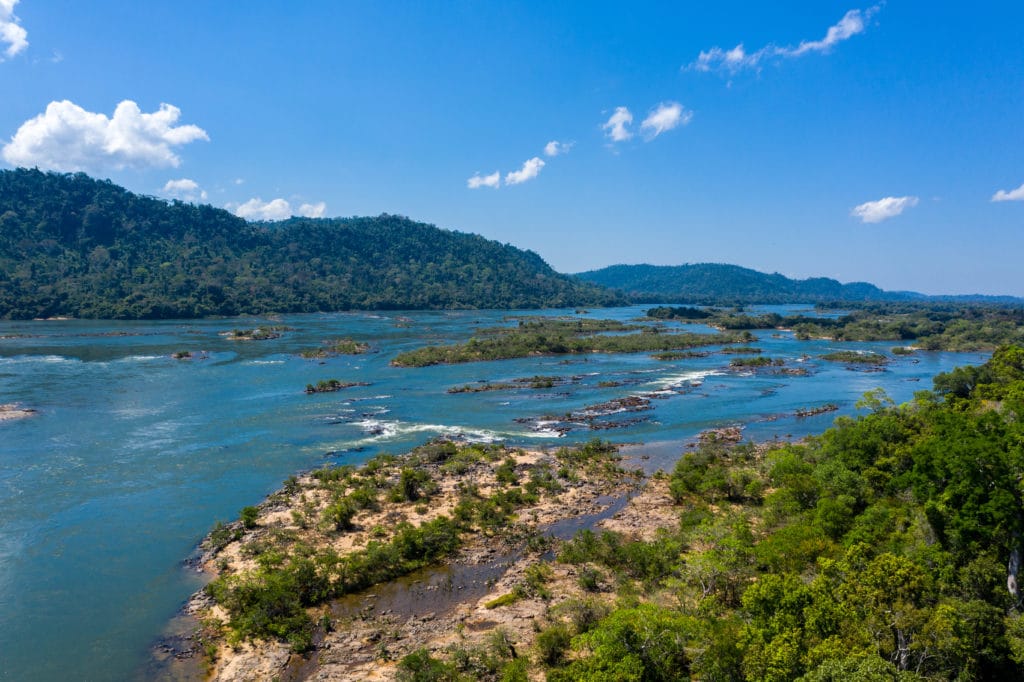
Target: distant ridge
716 283
71 245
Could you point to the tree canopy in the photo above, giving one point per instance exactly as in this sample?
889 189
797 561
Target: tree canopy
73 245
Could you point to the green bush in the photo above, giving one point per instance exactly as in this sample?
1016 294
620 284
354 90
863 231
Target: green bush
249 516
420 666
552 643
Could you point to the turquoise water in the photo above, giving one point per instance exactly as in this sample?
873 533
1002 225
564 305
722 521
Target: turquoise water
134 455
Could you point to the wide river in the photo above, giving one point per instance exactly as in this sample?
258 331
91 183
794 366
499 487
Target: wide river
132 455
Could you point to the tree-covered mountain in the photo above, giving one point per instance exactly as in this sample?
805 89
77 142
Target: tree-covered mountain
718 283
74 245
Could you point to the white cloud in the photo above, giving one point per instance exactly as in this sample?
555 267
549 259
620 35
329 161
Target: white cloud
239 181
477 181
737 59
275 209
257 209
184 189
316 210
850 25
617 125
66 137
530 170
883 209
1012 195
665 117
556 148
732 60
11 31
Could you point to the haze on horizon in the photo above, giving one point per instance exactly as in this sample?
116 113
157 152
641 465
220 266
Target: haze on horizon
863 142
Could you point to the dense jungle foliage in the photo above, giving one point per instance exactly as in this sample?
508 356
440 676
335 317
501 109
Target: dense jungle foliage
721 284
931 326
888 548
73 245
885 549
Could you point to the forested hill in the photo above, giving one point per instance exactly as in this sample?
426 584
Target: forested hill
73 245
716 283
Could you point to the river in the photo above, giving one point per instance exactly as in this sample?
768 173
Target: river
132 455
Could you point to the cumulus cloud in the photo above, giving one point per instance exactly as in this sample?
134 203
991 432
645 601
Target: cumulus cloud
11 31
477 181
1012 195
316 210
184 189
665 117
257 209
617 125
530 170
66 137
738 59
275 209
556 148
883 209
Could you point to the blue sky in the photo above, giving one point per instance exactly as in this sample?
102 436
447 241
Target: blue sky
855 141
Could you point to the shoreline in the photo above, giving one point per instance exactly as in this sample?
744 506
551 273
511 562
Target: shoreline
488 560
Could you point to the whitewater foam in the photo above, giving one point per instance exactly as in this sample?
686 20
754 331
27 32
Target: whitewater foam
692 377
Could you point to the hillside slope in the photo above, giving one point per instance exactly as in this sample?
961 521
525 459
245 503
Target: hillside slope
73 245
717 283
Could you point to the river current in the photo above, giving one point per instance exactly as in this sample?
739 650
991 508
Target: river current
133 455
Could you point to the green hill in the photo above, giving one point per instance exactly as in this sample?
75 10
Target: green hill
74 245
719 283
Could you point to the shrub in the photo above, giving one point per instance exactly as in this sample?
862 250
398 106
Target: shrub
339 514
552 644
420 666
590 579
222 535
249 516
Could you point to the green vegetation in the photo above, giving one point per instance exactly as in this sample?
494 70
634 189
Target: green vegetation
853 357
885 549
331 385
680 355
261 333
271 602
336 347
741 350
248 517
812 411
679 313
719 284
538 381
757 361
930 326
297 568
552 336
72 245
494 661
